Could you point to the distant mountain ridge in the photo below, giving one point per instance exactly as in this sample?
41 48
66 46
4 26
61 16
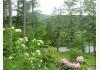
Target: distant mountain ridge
42 17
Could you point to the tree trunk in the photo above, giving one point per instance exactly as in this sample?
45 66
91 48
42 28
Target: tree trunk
83 49
10 21
81 26
4 13
6 8
94 48
72 30
24 20
71 27
33 23
17 12
89 47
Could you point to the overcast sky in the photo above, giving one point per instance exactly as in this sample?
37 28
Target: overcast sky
46 6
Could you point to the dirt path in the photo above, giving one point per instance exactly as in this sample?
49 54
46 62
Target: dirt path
90 68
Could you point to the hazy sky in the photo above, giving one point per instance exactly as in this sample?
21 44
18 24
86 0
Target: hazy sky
46 6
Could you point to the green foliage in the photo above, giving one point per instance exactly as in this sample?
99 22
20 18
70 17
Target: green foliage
45 32
34 55
84 65
78 40
74 53
16 33
40 31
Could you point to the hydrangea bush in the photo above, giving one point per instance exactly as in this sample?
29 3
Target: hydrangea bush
31 55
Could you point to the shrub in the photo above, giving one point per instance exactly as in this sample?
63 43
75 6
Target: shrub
34 54
74 53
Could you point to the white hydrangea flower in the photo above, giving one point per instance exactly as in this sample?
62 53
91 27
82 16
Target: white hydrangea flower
18 41
10 57
39 65
33 40
41 41
33 54
12 27
26 54
41 60
31 61
38 51
22 45
33 67
26 38
21 39
17 30
38 43
32 58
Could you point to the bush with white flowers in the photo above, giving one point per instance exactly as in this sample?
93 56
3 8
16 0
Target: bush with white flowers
31 55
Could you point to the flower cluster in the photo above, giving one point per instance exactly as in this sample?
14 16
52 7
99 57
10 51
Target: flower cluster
65 62
20 43
17 30
12 27
74 65
69 64
20 39
40 41
10 57
38 51
26 38
26 54
80 59
77 65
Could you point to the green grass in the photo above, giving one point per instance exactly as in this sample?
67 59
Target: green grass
91 59
64 55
